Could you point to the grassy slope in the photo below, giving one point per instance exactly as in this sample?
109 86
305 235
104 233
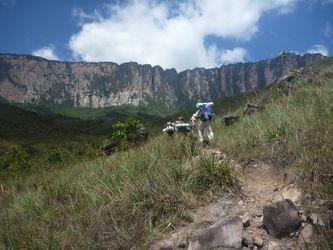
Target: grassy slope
126 198
295 130
110 113
108 202
44 138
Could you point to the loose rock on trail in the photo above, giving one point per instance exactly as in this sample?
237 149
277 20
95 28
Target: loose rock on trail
237 220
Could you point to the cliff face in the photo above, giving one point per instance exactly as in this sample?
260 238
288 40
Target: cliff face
35 80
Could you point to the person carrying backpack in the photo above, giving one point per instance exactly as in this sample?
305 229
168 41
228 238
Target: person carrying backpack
170 128
205 116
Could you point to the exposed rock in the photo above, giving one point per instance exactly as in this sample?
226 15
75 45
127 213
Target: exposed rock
189 216
316 220
182 241
252 108
226 234
247 240
302 216
293 194
257 239
281 218
230 119
139 136
291 176
134 139
30 79
240 203
306 233
110 148
163 245
276 198
272 245
246 219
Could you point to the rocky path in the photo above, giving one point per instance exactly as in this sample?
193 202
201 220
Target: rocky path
235 220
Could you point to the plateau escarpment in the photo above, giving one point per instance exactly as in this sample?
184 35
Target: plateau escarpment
30 79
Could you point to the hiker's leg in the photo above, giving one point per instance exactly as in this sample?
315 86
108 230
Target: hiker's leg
201 131
210 132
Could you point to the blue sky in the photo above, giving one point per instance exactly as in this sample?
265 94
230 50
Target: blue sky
181 34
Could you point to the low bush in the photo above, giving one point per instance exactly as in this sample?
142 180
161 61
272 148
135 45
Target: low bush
211 174
14 162
122 130
115 202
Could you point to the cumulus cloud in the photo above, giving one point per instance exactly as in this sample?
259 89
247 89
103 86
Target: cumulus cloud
235 55
46 52
171 33
318 48
82 17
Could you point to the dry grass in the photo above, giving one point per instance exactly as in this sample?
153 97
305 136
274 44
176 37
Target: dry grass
114 202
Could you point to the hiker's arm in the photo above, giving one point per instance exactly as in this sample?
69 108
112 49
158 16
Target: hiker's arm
196 115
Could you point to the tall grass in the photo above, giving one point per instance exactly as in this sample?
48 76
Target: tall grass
131 197
295 131
114 202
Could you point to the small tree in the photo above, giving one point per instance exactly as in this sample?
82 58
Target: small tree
14 161
123 130
283 53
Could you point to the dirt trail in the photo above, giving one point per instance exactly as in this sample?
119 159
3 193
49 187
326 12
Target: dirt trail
260 184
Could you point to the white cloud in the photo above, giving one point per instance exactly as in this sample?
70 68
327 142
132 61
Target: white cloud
322 2
328 32
154 32
82 17
327 1
46 52
7 3
232 56
319 48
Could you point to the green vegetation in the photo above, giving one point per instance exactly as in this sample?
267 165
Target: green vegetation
14 162
123 129
283 53
154 111
133 196
110 202
294 130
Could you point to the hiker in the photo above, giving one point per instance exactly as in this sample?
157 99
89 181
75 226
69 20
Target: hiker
178 124
170 128
180 120
182 127
206 116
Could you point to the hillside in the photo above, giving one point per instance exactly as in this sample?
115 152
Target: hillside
133 198
34 80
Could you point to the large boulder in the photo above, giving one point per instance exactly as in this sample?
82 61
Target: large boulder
163 245
138 137
281 218
230 119
225 234
111 147
293 194
133 139
252 108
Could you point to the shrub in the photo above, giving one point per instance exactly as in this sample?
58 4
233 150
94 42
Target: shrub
14 161
56 156
123 130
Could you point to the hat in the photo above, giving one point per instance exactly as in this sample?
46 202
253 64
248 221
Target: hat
199 105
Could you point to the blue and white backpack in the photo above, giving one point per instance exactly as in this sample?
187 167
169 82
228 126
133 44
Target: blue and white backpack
206 113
